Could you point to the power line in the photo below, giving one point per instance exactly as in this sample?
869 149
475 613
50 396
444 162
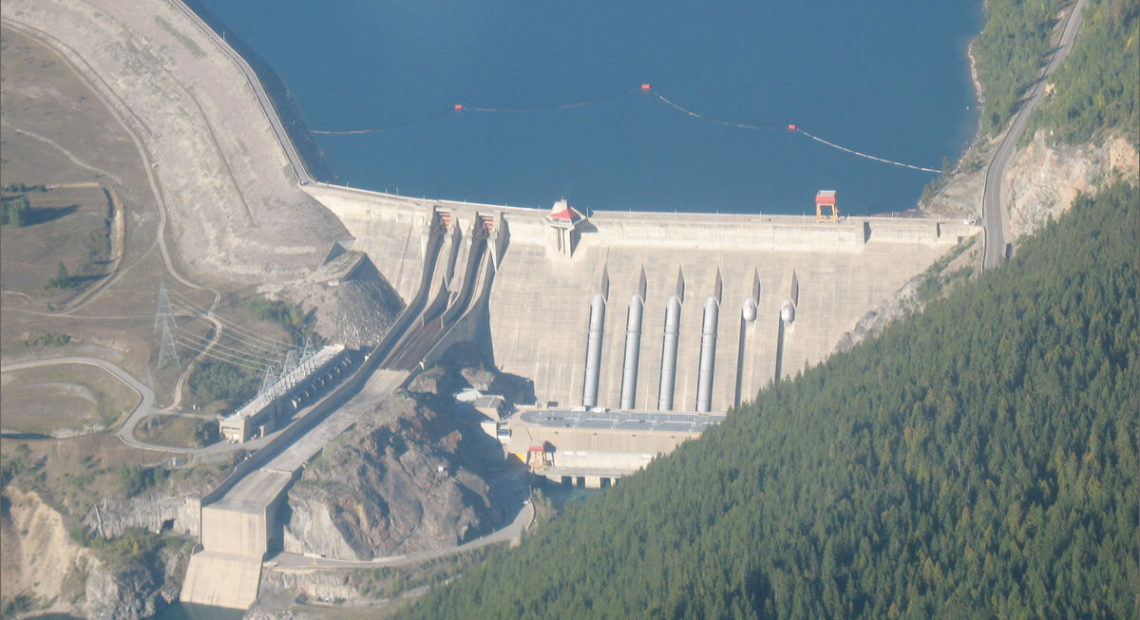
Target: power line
219 356
240 345
244 334
250 334
200 344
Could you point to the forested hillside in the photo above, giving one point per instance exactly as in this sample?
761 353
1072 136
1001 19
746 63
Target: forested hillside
1095 89
977 460
1098 87
1009 51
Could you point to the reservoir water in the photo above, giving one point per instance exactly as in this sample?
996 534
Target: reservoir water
887 78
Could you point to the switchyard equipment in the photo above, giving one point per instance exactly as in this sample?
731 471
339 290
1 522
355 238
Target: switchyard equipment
299 382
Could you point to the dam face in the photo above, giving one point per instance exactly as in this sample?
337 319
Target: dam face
659 312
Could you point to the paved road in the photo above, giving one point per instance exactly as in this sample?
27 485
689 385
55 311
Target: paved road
993 211
145 407
295 561
146 395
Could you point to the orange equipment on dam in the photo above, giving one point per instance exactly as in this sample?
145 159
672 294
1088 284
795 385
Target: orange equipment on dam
825 207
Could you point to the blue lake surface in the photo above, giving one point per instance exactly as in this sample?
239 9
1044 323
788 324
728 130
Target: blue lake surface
889 78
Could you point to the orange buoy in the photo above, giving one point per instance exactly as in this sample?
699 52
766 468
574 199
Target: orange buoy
645 87
791 127
458 106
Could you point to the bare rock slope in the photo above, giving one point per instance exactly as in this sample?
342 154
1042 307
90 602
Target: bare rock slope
350 300
410 477
1044 179
46 569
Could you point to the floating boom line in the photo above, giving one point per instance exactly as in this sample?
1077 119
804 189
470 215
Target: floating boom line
859 154
560 106
645 88
354 132
793 128
709 119
459 107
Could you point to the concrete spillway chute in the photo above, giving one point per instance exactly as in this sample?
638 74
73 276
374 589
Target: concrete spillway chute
669 354
498 238
632 349
708 354
594 351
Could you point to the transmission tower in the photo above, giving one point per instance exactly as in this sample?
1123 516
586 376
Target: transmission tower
308 352
267 381
287 368
164 319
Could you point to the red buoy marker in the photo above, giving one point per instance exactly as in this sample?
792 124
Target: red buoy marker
645 88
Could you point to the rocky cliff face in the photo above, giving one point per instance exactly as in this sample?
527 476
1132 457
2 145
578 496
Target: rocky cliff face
409 478
44 569
350 300
1045 178
38 559
136 590
178 514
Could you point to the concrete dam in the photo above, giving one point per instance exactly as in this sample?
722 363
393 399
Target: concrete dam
638 330
642 311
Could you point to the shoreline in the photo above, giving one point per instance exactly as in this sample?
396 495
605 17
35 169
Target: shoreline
281 101
979 100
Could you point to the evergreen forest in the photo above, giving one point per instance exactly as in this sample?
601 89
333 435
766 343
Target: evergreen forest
1098 87
976 460
1009 52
